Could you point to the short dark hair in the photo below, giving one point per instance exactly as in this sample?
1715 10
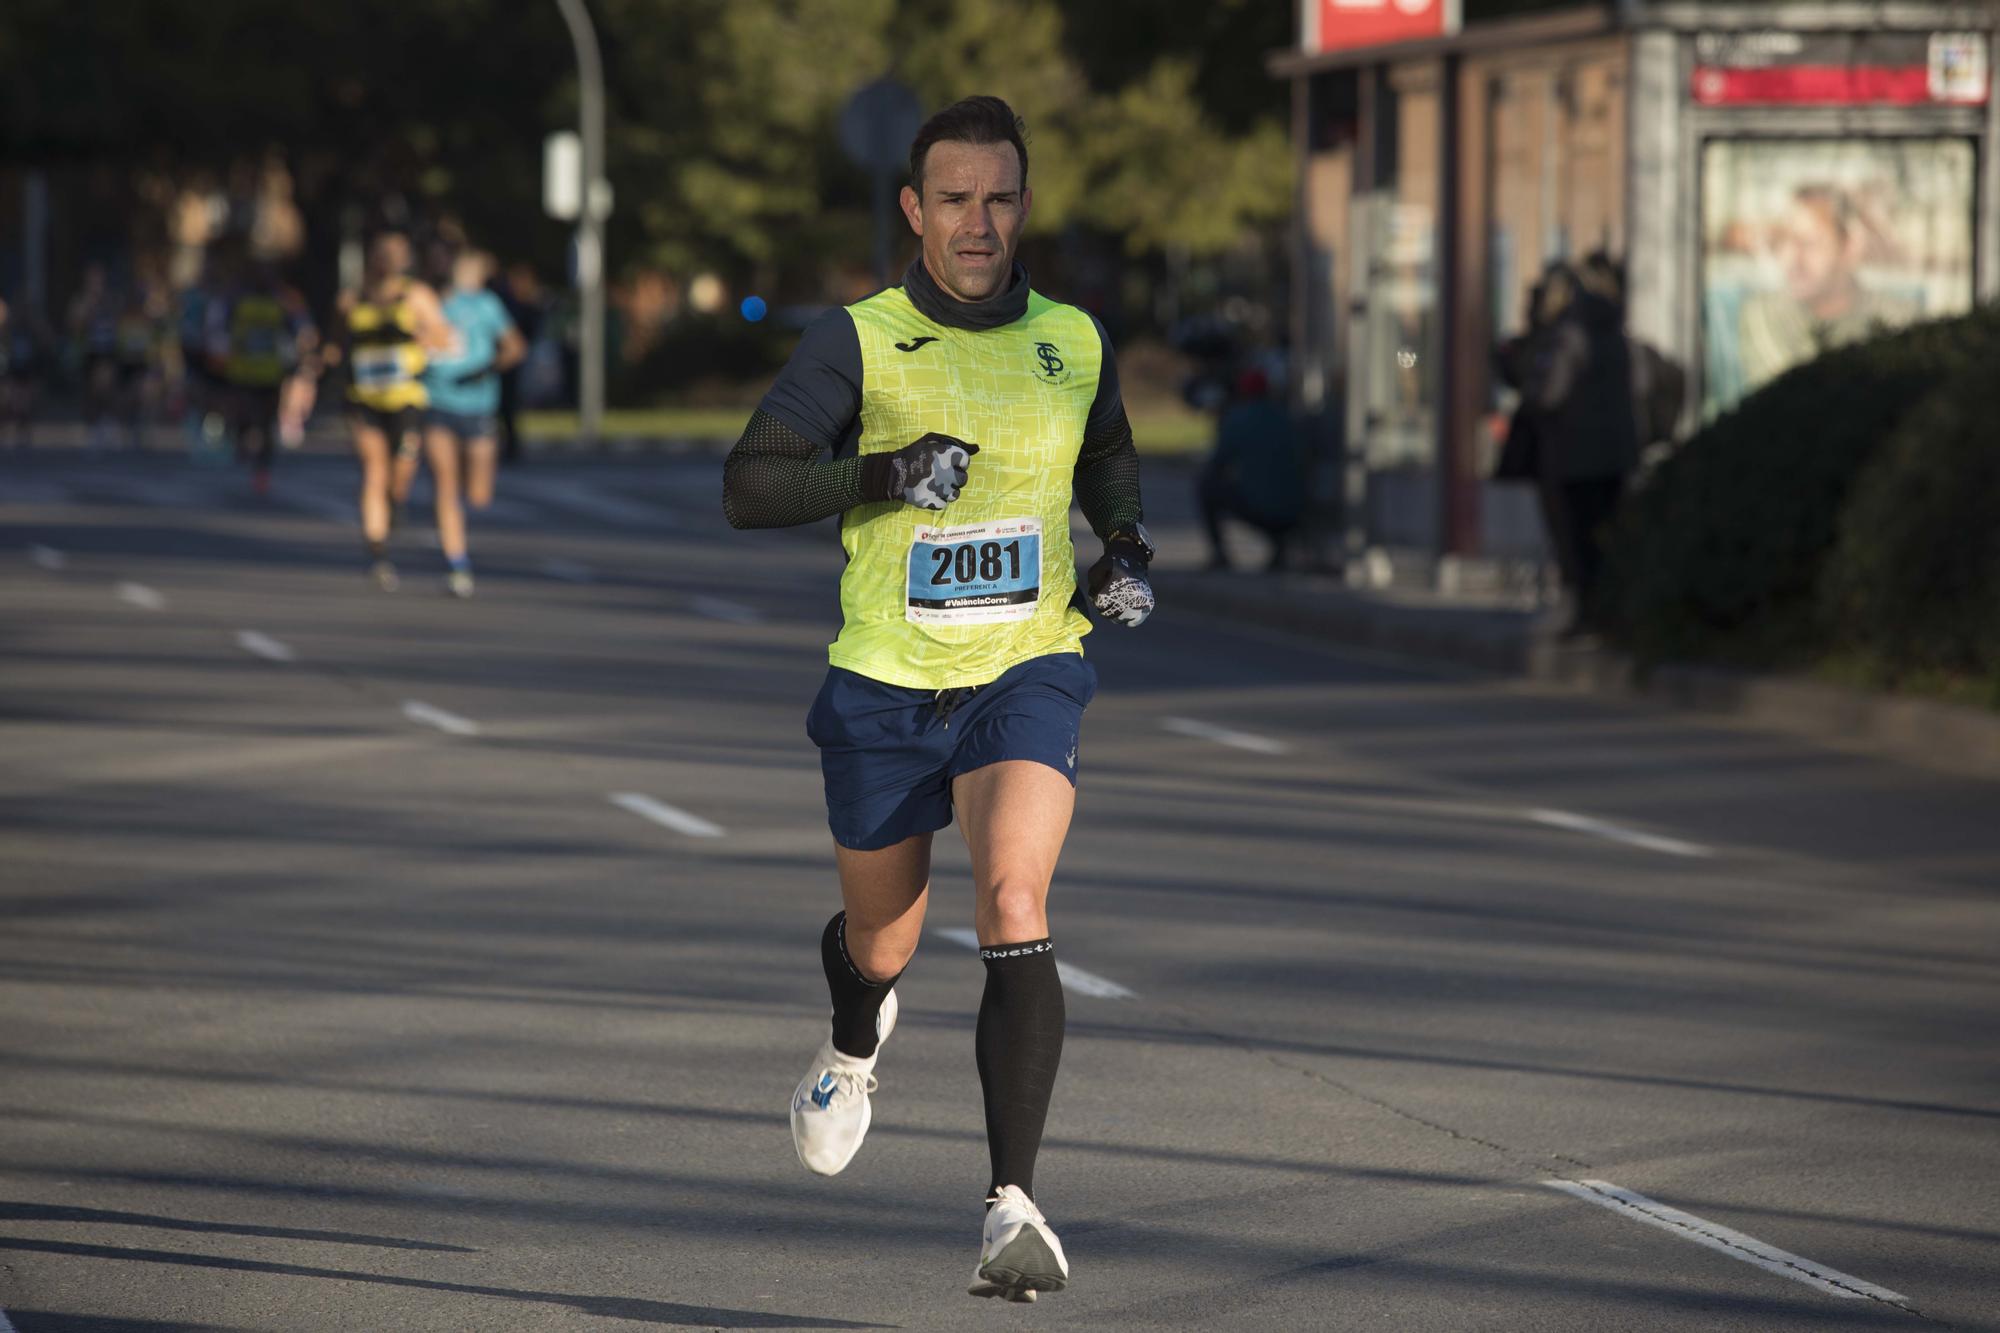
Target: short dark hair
971 120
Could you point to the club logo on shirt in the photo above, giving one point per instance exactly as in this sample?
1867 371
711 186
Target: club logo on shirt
1053 370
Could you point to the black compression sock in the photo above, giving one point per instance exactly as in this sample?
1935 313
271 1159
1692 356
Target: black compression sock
856 1000
1019 1046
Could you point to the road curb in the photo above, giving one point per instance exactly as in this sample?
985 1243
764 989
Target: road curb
1309 605
1927 733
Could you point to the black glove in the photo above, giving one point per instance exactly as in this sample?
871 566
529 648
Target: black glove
466 378
927 473
1118 586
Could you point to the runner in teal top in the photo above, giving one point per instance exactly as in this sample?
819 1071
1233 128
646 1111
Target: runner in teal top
469 384
464 396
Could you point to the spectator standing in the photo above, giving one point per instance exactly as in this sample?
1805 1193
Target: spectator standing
520 290
1576 431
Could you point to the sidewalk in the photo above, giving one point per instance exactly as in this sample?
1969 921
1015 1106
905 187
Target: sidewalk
1515 641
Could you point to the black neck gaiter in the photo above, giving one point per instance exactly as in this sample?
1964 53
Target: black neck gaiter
941 307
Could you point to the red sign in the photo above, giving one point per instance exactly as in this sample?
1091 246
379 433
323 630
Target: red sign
1343 25
1840 69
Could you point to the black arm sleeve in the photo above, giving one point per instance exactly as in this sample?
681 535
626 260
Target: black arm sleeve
1107 467
774 478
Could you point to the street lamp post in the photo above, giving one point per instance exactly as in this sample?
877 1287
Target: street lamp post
596 197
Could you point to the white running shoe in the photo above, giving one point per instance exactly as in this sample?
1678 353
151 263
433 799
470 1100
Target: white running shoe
1018 1255
830 1111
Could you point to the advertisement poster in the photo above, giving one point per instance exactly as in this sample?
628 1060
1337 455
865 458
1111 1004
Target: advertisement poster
1810 244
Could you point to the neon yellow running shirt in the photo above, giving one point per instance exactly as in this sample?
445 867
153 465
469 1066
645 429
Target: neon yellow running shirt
938 599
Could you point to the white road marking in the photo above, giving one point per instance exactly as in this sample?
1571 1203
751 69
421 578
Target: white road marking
47 557
264 646
667 816
1208 731
1652 842
1073 978
418 711
717 608
569 571
1735 1244
5 1325
138 594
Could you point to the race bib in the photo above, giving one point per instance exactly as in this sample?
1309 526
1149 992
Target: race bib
379 367
979 574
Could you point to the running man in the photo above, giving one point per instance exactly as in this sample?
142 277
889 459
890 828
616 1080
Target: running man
464 396
94 320
391 327
22 347
963 412
266 336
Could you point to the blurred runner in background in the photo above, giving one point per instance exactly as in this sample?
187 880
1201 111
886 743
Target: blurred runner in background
22 367
389 329
266 334
464 391
143 340
93 332
199 330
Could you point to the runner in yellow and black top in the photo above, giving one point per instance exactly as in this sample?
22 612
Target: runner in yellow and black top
265 336
964 412
389 329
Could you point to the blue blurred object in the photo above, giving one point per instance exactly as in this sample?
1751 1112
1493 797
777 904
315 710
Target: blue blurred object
753 308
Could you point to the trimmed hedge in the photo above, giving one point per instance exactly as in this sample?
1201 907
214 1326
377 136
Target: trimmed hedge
1721 554
1912 586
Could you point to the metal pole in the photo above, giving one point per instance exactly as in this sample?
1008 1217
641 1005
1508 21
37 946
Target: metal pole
590 223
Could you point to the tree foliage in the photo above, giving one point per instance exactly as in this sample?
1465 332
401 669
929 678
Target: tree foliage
1150 122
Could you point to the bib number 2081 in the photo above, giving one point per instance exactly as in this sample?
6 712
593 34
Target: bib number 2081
989 563
979 574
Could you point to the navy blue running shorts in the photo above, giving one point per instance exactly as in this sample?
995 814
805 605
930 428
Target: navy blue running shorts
465 425
889 754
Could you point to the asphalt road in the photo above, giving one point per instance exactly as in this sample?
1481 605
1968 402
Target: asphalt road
389 963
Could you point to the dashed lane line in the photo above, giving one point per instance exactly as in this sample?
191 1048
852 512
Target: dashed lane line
46 557
264 646
5 1325
719 608
1604 828
1073 978
1236 740
667 816
139 595
431 716
1724 1240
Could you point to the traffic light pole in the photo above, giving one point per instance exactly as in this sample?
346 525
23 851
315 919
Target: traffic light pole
596 196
